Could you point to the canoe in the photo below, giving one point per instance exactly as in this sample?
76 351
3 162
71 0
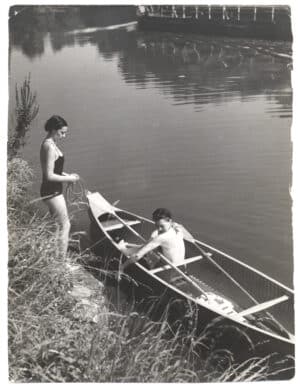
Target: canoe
217 286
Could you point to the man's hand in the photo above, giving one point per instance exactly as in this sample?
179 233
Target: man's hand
134 258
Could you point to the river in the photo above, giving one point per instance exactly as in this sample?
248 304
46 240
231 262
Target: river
198 124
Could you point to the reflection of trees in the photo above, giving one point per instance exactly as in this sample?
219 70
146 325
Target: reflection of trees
192 69
26 32
32 44
29 27
113 42
59 40
188 68
201 70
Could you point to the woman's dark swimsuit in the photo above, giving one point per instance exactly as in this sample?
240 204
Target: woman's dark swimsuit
50 189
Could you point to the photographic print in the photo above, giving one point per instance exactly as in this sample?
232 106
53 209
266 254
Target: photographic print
149 213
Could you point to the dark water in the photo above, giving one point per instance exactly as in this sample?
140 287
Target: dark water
198 124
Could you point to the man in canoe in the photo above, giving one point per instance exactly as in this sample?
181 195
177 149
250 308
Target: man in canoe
168 237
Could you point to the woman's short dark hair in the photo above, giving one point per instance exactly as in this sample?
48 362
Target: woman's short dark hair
161 213
55 123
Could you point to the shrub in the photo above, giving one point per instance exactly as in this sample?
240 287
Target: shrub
26 111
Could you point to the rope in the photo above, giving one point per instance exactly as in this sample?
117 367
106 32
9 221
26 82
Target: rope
76 193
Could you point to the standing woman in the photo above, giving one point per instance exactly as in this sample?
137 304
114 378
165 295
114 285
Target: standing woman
52 163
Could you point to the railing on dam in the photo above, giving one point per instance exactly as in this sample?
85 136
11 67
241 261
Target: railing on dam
236 14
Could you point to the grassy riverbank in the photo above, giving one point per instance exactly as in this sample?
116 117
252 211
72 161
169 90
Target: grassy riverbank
63 328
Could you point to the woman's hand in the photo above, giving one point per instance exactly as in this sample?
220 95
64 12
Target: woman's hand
73 177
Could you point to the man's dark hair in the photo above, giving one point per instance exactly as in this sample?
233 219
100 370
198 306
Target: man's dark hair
161 213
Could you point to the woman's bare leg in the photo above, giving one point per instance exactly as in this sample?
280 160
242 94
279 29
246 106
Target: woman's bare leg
58 209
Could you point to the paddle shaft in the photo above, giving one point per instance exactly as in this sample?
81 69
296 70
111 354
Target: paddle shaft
237 283
163 257
227 274
41 198
263 306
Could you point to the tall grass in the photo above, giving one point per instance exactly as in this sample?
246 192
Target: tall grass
63 327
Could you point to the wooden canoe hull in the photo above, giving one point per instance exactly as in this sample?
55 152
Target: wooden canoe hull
159 294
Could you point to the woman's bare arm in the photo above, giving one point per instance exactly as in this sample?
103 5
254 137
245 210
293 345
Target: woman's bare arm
47 162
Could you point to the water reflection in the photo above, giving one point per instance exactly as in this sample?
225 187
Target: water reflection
110 43
198 71
27 35
189 69
59 41
192 69
29 25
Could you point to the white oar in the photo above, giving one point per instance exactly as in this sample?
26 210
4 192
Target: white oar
263 306
188 236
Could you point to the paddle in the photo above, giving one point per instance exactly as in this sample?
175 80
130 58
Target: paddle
188 236
263 306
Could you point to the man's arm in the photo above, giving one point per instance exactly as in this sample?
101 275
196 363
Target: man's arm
149 246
